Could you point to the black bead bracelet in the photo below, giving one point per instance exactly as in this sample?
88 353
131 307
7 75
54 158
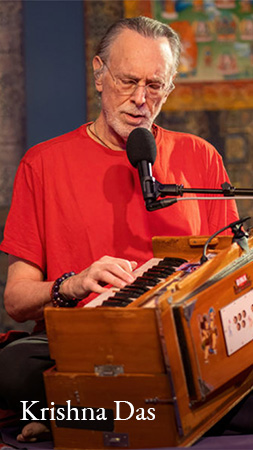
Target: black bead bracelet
59 300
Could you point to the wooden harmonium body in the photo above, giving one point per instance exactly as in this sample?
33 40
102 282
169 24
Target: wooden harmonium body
167 366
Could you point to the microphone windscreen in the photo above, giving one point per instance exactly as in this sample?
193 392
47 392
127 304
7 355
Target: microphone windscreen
141 146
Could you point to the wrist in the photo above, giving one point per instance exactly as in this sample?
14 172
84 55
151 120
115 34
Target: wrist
58 296
65 288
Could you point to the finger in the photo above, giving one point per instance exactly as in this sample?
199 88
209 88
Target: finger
105 277
131 265
94 286
91 284
128 266
114 273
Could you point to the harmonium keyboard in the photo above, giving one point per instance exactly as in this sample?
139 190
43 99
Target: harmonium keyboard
158 363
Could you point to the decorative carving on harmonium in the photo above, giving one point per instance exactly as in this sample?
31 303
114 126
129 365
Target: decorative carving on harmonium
181 345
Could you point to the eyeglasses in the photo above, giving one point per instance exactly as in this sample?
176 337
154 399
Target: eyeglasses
127 86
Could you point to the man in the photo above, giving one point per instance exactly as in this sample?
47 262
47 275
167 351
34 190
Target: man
76 198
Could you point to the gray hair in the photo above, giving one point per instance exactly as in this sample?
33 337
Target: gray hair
146 27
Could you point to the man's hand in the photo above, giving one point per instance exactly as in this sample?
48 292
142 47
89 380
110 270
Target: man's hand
27 294
107 270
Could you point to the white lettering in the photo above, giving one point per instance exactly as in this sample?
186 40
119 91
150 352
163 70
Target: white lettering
102 415
61 412
118 410
141 415
52 412
91 413
26 410
69 411
43 410
150 411
124 411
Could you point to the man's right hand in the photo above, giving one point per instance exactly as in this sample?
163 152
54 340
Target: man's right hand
27 294
107 270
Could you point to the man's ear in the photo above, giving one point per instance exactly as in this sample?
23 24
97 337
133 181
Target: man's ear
165 98
98 73
172 87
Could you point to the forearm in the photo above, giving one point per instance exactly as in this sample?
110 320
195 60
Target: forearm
27 295
26 299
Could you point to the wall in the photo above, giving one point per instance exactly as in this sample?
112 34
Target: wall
55 68
12 113
44 91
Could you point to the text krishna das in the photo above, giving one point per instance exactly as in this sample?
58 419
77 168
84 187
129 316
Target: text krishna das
62 412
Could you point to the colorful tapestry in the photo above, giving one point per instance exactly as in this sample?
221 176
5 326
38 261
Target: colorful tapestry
216 67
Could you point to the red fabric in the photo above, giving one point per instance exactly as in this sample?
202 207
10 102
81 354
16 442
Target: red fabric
7 418
10 336
75 201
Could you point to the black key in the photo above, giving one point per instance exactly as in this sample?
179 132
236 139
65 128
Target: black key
161 275
120 299
150 281
135 289
138 287
125 294
129 293
165 270
174 261
156 275
165 265
112 303
141 284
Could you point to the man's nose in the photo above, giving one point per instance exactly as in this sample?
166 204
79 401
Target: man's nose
139 95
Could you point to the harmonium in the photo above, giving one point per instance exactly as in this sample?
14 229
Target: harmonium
158 363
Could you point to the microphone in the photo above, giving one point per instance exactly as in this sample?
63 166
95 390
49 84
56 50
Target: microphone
141 152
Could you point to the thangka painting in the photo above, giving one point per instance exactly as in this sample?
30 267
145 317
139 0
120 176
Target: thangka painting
216 68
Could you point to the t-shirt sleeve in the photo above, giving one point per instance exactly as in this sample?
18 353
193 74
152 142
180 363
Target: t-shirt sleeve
24 228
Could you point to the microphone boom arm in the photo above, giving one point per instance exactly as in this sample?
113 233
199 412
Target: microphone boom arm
163 190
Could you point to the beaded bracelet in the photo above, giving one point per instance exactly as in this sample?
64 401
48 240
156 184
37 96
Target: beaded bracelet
59 300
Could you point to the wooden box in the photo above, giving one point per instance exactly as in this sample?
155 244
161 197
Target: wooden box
175 351
131 421
153 417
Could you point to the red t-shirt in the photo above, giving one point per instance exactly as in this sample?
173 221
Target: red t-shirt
75 201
